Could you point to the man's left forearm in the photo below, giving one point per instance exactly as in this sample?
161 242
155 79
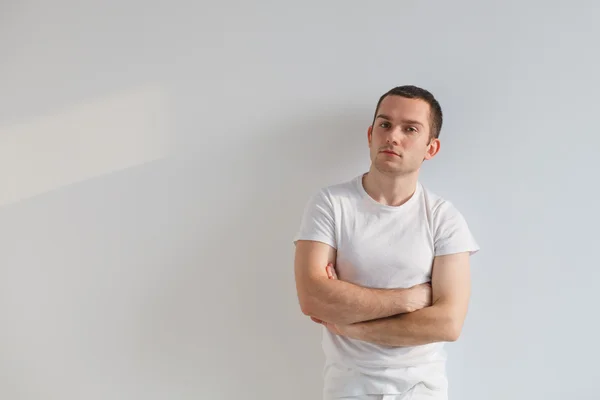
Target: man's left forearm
428 325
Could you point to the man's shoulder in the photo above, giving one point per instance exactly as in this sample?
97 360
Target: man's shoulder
437 205
340 189
451 230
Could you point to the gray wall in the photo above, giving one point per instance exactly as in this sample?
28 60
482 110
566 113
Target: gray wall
155 158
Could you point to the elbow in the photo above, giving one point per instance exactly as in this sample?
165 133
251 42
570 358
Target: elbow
306 310
311 308
452 330
305 306
308 306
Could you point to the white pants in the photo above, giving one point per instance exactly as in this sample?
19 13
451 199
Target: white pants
375 397
416 393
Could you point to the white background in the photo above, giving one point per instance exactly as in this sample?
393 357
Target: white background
155 158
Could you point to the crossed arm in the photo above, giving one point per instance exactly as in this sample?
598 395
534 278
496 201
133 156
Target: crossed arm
391 317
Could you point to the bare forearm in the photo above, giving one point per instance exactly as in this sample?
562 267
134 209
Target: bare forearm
344 303
441 322
428 325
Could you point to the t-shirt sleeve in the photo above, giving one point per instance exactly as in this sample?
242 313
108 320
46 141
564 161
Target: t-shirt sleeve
318 221
452 233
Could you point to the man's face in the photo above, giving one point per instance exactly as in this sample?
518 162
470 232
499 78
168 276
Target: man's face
399 139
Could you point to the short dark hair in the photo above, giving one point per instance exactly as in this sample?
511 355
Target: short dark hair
413 92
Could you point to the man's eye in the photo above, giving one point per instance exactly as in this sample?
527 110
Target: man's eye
412 129
384 124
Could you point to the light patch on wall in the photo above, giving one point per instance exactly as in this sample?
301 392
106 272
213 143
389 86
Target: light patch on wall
123 130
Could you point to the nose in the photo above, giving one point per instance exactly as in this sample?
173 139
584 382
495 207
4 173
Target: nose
394 136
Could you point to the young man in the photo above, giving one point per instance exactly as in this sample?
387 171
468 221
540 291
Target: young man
383 263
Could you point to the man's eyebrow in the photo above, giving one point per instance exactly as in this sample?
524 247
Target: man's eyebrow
404 121
383 116
411 122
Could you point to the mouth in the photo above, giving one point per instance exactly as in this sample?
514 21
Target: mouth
390 152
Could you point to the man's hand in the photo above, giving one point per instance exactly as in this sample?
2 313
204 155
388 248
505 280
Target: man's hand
419 297
331 274
333 328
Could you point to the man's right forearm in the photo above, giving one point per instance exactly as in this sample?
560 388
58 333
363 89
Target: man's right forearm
340 302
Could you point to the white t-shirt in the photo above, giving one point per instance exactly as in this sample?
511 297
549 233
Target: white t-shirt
381 246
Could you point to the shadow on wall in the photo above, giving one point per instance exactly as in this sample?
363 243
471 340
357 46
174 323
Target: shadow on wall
250 329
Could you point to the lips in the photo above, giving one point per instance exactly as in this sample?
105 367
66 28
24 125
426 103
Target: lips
390 152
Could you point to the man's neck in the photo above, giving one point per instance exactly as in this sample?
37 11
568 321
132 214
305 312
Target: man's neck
390 190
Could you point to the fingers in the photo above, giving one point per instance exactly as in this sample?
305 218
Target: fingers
331 327
331 275
331 271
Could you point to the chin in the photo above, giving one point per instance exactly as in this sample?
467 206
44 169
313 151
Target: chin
387 168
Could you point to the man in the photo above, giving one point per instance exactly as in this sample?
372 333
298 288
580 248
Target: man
383 263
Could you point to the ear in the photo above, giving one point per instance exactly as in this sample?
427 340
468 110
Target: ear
370 134
432 149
